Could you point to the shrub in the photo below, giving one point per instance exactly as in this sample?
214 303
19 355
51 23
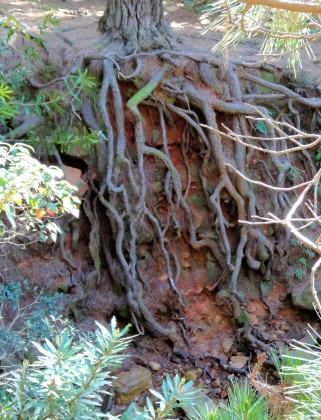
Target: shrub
68 380
72 375
23 319
32 196
243 403
301 370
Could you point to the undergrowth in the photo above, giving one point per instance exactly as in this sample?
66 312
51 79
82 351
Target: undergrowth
72 375
301 372
71 378
23 319
36 103
32 196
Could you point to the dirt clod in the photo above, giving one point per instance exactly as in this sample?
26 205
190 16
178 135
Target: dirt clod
130 384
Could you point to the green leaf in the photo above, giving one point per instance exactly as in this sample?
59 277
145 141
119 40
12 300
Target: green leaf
5 92
299 273
261 127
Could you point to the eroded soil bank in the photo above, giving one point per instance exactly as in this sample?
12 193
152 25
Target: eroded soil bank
211 343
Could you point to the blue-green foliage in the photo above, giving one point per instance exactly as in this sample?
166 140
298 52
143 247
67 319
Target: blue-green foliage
243 403
69 378
23 321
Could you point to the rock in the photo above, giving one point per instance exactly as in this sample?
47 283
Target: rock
285 326
223 394
227 344
130 384
302 296
74 177
57 278
273 336
238 361
155 366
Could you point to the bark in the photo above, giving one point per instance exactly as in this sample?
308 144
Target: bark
136 24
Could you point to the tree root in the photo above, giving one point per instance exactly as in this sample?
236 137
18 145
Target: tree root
28 123
123 185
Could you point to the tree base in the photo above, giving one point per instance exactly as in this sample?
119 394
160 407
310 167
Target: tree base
136 25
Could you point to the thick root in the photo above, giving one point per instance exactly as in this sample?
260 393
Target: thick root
124 185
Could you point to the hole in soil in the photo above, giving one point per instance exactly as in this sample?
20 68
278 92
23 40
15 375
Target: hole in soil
74 162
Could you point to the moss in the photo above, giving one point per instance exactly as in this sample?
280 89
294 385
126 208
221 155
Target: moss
244 318
212 271
155 136
198 200
269 77
266 287
157 187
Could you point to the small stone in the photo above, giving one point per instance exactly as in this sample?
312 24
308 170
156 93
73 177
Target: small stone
186 259
74 177
302 296
130 384
223 394
238 362
216 383
285 326
201 385
218 318
227 344
155 366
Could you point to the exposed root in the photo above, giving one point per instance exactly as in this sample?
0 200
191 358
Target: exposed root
28 123
123 181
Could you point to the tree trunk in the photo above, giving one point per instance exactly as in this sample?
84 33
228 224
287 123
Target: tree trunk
136 24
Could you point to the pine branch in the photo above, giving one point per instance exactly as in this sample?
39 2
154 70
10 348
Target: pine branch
290 6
